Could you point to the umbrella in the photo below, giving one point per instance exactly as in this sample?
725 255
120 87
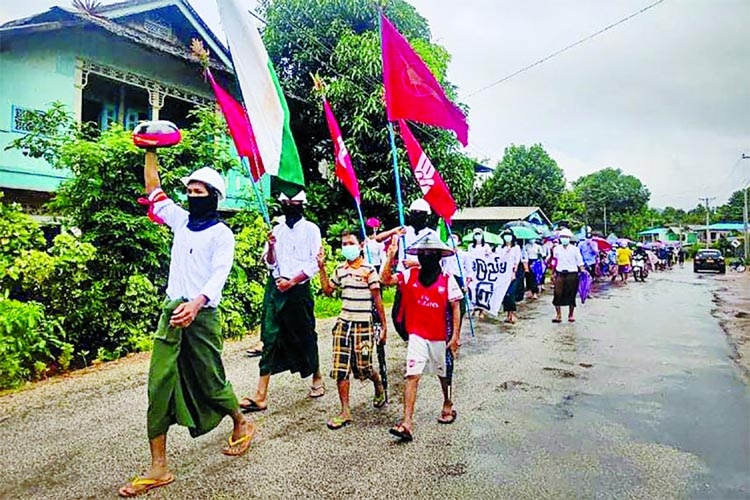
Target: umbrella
612 238
489 238
623 241
584 286
524 233
604 245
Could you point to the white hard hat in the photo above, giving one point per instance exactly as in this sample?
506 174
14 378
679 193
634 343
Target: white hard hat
420 205
566 232
210 177
301 197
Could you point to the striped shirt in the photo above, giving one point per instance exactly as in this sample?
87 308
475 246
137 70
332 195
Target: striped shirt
355 280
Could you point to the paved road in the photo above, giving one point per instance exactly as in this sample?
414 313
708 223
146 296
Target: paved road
638 399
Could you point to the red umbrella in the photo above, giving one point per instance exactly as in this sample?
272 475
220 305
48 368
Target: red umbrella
603 244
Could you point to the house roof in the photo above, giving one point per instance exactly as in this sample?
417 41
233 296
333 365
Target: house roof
497 214
656 230
727 226
57 18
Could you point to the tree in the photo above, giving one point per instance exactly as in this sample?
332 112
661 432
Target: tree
339 40
621 195
524 177
570 209
732 209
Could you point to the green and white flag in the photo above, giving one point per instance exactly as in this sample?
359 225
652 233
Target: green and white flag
262 95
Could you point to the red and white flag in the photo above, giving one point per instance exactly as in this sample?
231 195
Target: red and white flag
411 90
434 190
239 128
344 169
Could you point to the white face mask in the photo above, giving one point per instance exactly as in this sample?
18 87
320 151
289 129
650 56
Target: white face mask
565 241
478 238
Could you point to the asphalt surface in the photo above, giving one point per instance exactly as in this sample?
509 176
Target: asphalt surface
638 399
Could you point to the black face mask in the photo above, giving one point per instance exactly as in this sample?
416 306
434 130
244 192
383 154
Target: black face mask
203 211
418 220
429 265
292 213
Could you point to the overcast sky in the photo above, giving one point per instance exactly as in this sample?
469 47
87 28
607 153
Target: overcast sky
664 96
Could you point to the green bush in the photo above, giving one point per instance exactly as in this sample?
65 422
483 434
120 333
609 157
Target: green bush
18 232
27 342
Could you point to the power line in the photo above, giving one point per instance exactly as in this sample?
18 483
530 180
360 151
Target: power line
565 49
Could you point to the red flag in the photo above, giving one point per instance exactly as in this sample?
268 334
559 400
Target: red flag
411 91
344 169
434 190
239 128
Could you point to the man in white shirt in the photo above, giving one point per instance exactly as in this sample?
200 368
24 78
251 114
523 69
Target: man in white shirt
288 325
569 262
416 230
186 381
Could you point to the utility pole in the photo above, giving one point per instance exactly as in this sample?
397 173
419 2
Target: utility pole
746 236
708 219
605 221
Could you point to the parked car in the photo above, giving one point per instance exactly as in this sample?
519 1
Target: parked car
709 260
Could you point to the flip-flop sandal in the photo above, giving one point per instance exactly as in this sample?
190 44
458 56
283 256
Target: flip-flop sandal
571 320
244 443
402 433
448 418
555 320
251 406
254 353
144 484
317 392
379 401
337 423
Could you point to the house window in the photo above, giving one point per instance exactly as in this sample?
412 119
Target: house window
107 116
23 118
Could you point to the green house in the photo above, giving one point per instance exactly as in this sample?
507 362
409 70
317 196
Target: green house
125 63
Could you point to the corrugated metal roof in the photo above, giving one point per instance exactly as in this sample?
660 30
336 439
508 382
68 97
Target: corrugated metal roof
494 213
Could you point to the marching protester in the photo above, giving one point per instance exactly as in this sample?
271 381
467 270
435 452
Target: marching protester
624 262
478 244
533 254
288 323
415 230
375 244
509 254
186 381
460 268
353 334
429 297
374 247
590 252
568 263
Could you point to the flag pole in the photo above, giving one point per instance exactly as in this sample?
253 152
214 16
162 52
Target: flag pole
258 197
399 201
463 278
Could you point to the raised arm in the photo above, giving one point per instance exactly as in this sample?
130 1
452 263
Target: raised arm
387 277
325 284
151 172
396 231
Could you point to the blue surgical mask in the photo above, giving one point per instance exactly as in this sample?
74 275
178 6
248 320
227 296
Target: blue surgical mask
507 238
565 241
350 252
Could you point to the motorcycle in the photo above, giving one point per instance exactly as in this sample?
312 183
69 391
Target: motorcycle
640 272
